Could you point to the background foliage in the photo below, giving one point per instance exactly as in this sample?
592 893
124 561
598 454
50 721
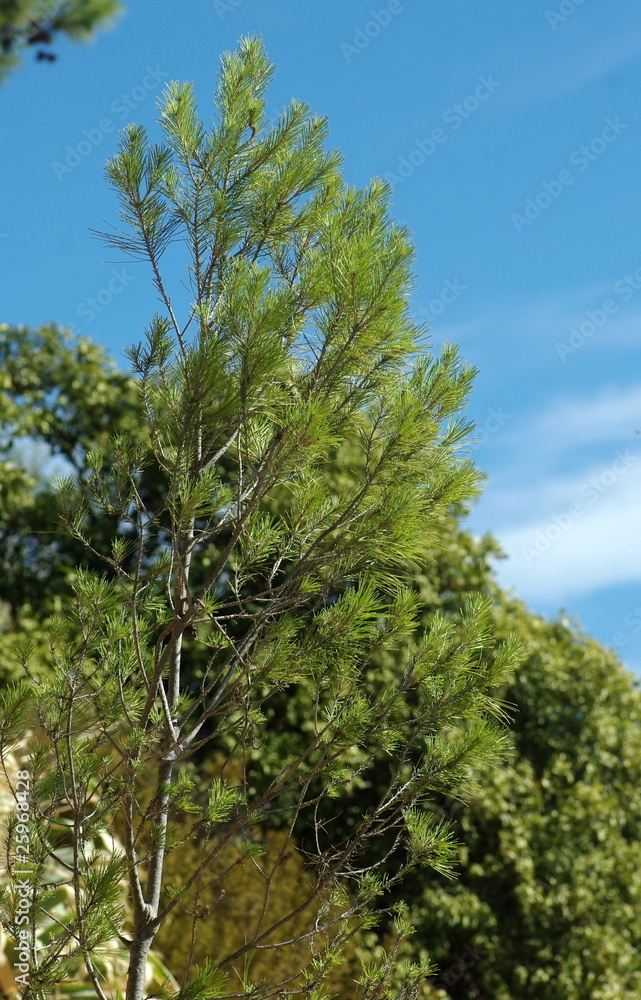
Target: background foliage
35 24
547 893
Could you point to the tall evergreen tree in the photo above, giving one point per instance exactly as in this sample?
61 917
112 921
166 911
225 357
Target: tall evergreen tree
252 577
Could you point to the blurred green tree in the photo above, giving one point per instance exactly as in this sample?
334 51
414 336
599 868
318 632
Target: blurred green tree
59 398
34 24
549 890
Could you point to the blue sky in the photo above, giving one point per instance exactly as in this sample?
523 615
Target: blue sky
511 134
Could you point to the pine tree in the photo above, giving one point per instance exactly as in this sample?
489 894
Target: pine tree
252 577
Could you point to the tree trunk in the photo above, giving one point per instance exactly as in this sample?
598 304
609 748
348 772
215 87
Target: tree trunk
137 971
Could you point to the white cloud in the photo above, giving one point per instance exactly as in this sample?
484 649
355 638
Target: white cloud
565 556
541 463
572 531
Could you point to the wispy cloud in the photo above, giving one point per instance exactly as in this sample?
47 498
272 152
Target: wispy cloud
568 73
552 319
570 523
609 416
577 550
561 436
